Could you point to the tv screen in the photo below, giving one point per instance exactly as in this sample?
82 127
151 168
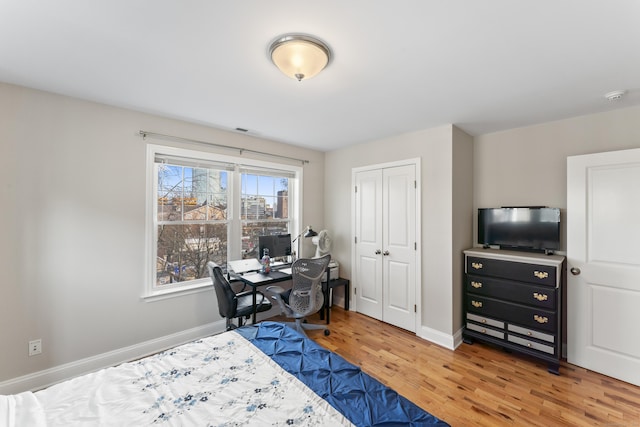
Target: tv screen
527 228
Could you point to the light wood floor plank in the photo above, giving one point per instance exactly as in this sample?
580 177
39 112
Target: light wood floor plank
479 385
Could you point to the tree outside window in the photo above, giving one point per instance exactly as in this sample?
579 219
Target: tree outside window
191 222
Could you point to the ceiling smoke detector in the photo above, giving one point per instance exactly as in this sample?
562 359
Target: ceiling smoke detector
615 95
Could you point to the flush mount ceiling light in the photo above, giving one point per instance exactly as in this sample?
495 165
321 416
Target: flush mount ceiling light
299 56
615 95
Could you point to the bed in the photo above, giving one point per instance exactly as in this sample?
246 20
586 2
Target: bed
264 374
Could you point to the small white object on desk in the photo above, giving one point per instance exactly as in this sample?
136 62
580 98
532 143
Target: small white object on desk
244 265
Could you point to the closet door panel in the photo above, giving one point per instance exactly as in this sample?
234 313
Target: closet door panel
368 249
399 246
397 294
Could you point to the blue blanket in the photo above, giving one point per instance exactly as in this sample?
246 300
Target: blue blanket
359 397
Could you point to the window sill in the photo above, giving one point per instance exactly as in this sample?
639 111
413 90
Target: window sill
174 292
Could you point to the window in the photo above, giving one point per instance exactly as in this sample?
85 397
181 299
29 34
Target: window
205 207
264 207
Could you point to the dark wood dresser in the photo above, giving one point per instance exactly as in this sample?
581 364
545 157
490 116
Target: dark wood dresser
513 299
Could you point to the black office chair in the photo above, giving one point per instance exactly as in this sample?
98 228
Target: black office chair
306 296
234 305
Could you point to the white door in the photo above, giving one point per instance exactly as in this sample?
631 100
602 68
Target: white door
399 247
385 251
368 248
603 255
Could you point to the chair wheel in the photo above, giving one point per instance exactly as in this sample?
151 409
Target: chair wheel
327 332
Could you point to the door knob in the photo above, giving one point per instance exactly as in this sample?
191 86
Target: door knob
385 253
575 271
378 251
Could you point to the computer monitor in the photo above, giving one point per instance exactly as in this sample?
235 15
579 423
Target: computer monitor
278 245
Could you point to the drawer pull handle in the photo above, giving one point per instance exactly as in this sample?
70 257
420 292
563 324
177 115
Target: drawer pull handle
476 265
476 304
528 344
483 321
529 333
476 285
541 274
484 331
540 319
540 297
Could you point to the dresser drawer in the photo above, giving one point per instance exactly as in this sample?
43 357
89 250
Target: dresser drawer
523 272
534 295
532 333
531 344
485 320
539 319
484 330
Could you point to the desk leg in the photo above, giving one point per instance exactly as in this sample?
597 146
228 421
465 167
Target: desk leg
254 294
327 303
324 310
327 295
347 294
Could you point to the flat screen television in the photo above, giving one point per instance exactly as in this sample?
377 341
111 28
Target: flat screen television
522 228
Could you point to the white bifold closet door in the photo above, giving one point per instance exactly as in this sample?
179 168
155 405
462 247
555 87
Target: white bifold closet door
385 244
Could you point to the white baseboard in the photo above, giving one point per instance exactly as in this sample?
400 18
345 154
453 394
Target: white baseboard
444 340
457 338
47 377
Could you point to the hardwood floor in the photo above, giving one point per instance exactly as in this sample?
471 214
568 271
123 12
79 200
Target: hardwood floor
479 385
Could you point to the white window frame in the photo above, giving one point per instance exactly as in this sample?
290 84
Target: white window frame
152 291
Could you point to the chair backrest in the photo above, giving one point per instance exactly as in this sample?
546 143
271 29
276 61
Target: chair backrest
227 300
306 293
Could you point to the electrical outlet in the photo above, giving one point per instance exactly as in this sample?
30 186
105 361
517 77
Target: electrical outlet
35 347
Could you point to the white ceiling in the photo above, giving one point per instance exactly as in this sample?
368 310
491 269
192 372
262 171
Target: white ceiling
399 66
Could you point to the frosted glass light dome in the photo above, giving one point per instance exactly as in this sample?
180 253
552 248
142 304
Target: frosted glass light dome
299 56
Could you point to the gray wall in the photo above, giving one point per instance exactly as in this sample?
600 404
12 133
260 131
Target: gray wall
444 151
72 185
528 166
524 166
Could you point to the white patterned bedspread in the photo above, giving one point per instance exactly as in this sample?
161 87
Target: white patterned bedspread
221 380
